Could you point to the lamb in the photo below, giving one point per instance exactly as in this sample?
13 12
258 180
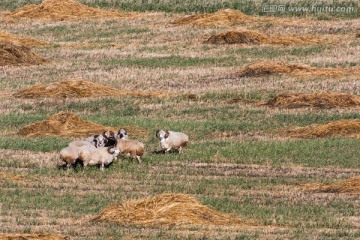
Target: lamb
135 148
172 140
122 134
102 156
97 140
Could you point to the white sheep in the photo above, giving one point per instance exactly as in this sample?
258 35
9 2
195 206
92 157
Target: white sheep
102 156
135 148
97 140
70 155
172 140
122 134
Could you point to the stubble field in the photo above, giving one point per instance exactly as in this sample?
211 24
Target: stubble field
238 161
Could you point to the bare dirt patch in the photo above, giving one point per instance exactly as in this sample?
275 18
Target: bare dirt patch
344 127
17 55
325 100
165 210
19 40
77 88
263 68
350 185
61 10
69 124
243 36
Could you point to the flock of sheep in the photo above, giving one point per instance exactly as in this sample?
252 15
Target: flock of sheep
103 148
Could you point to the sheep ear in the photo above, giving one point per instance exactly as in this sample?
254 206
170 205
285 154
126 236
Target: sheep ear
97 135
157 133
167 133
112 134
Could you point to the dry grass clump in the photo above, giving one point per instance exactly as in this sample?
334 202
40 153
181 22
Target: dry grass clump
15 55
19 40
12 177
61 10
77 88
319 100
69 124
263 68
221 17
350 185
233 37
344 127
254 37
165 210
23 236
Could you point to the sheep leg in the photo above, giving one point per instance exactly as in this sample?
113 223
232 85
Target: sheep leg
180 149
139 159
167 150
69 165
102 167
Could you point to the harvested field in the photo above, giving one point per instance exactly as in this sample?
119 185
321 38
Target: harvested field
77 88
19 40
32 237
350 185
62 10
263 68
221 17
325 100
70 125
17 55
255 37
165 210
344 127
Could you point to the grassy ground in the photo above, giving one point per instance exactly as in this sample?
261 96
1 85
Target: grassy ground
234 163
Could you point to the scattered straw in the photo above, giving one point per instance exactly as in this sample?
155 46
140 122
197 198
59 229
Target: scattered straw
12 177
24 236
319 100
61 10
254 37
350 185
165 210
344 127
69 124
263 68
76 88
11 54
221 17
19 40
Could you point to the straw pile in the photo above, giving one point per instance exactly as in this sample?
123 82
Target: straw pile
61 10
12 177
350 185
254 37
18 40
69 124
221 17
344 127
24 236
11 54
263 68
164 210
318 100
76 88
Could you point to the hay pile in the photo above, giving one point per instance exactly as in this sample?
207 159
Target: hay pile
221 17
18 40
61 10
12 177
344 127
69 124
20 236
16 55
350 185
76 88
254 37
319 100
164 210
263 68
